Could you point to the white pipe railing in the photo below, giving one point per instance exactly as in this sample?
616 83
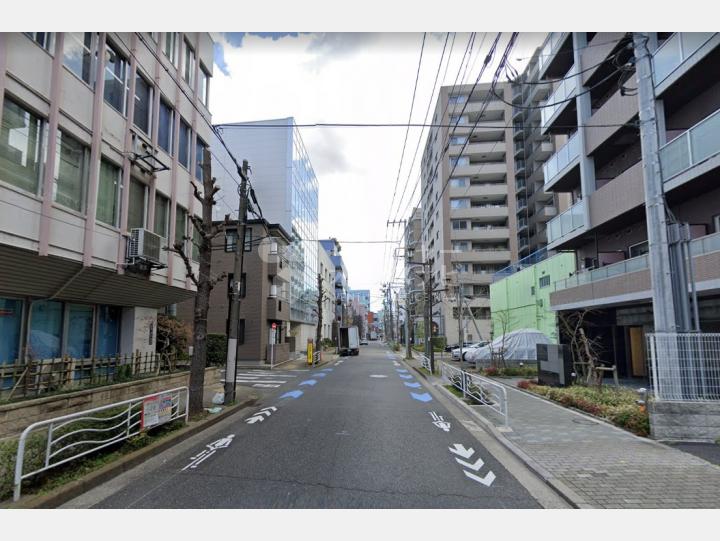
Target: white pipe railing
485 391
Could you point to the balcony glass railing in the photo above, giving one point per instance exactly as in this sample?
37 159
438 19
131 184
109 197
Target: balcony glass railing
551 45
676 49
695 145
562 158
567 222
698 247
560 97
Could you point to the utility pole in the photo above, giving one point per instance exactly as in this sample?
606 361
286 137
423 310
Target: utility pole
231 364
461 333
428 315
664 310
408 355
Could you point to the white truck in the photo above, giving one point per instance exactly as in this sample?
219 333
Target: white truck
373 335
349 341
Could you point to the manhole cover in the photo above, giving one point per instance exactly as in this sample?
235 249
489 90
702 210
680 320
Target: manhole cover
584 422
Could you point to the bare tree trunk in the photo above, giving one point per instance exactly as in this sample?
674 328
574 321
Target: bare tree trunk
197 368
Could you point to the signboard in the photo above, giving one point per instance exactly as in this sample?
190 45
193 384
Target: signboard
309 352
156 410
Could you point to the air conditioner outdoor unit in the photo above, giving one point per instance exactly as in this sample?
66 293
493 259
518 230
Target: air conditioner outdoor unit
145 245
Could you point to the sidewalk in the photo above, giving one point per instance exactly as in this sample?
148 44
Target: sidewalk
597 465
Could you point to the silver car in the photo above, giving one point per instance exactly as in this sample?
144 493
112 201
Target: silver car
455 353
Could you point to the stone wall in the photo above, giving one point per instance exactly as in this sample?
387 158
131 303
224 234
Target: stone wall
696 421
17 416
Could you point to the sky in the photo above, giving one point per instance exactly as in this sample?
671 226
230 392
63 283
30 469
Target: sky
352 78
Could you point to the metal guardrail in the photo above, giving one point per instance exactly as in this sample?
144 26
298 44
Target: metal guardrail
72 436
424 361
484 390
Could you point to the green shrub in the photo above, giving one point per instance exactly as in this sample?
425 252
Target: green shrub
439 343
216 349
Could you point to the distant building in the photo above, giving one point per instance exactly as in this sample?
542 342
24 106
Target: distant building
332 247
326 268
264 292
287 192
101 142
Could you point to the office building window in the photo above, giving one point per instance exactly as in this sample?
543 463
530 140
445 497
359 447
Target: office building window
107 336
459 161
458 139
184 145
11 312
459 182
79 333
230 240
459 224
204 86
189 64
78 54
200 147
136 205
170 47
45 336
638 249
46 40
544 281
165 127
109 193
116 79
21 138
459 203
142 116
180 224
162 215
71 170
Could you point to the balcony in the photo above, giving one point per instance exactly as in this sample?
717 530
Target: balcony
481 256
550 63
676 51
475 278
521 204
518 131
486 211
485 151
493 190
542 149
522 224
595 54
477 106
519 148
520 184
561 171
629 280
519 167
487 232
567 225
618 200
277 309
546 213
608 123
560 100
693 153
481 171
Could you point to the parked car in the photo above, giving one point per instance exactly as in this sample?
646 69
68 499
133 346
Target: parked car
517 346
448 349
455 353
363 342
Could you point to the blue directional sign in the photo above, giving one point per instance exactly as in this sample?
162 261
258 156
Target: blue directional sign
320 375
327 370
405 376
292 394
308 382
414 385
425 397
400 370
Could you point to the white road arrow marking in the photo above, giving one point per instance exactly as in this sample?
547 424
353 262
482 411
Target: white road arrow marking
440 422
266 386
254 419
487 480
479 463
269 408
377 376
459 449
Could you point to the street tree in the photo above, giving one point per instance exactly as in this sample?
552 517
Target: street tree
205 231
318 310
585 350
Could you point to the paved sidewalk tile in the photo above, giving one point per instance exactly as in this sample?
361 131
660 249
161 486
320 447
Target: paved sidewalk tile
607 466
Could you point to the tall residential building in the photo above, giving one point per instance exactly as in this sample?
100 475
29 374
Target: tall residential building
469 232
101 141
332 247
413 281
601 167
287 192
531 148
326 268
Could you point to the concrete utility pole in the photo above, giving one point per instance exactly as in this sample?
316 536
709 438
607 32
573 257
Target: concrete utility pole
231 364
461 334
428 315
664 310
408 355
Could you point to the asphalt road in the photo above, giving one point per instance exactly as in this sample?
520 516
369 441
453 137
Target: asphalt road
355 438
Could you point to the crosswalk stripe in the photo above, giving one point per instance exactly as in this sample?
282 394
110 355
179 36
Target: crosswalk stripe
256 381
265 385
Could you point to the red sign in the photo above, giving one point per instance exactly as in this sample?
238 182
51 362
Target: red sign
274 325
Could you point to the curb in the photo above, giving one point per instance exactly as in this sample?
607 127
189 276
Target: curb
565 492
67 492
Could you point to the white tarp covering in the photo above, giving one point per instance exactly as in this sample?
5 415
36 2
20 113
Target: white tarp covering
519 346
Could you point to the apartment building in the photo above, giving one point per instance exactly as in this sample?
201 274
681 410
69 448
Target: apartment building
340 280
413 281
264 292
600 166
359 300
286 190
326 267
101 141
469 229
531 148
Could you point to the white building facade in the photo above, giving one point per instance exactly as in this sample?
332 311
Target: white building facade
101 140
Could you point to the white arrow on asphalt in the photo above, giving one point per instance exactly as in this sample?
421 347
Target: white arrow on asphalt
254 419
479 463
487 480
271 408
266 386
459 449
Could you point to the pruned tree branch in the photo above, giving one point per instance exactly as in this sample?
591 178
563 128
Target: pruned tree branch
179 250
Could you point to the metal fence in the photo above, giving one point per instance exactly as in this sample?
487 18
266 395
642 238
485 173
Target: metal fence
485 391
63 439
424 361
685 366
37 377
